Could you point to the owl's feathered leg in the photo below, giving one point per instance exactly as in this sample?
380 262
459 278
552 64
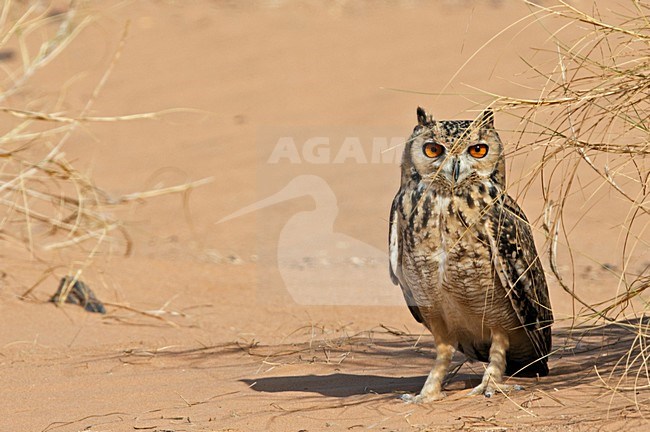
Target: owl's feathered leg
432 389
493 376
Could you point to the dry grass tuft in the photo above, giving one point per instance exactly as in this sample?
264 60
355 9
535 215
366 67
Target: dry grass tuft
591 124
46 204
593 112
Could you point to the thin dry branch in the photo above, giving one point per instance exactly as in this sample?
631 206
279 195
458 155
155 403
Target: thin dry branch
594 112
45 202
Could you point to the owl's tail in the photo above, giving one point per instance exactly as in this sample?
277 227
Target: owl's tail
531 368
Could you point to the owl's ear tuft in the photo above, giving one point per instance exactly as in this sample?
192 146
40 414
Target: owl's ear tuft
487 119
423 117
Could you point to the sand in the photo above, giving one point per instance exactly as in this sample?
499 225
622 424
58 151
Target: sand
281 316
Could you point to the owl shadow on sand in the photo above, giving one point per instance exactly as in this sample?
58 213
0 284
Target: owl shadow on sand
577 353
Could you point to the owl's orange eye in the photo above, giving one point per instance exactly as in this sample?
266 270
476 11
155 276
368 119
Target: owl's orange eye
478 151
432 150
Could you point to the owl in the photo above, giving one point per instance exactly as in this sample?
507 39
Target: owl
463 254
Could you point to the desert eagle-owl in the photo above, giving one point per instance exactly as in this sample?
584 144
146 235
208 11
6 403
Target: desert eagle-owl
462 251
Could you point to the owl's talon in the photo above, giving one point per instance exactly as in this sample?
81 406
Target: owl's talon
420 398
480 389
490 390
408 398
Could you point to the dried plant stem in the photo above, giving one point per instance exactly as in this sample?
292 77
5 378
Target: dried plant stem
48 204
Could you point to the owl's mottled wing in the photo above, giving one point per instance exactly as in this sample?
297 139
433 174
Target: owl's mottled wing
395 262
520 271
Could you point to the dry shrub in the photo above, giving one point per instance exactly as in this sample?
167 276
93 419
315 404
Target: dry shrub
593 112
46 204
591 125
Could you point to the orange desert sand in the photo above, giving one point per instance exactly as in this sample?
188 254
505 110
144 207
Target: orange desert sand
261 300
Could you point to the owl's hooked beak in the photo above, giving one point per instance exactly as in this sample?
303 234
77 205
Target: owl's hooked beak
455 169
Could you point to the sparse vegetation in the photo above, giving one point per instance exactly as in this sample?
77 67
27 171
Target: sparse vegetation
46 203
593 116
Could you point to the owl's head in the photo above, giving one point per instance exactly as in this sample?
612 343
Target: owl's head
455 153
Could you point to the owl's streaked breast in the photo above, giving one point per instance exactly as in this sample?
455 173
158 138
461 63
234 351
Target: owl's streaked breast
448 260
